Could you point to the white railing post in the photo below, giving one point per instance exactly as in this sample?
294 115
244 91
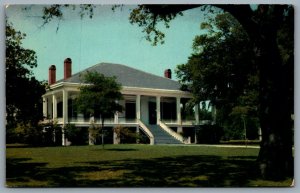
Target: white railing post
65 116
197 113
171 132
54 104
158 109
147 131
45 107
138 106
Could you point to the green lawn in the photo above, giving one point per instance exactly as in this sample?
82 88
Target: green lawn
134 166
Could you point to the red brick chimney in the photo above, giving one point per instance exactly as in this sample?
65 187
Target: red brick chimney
52 75
67 68
168 73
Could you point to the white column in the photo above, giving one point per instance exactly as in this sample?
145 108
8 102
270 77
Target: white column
197 113
116 118
116 139
45 105
138 107
178 111
65 107
158 109
116 115
54 103
65 115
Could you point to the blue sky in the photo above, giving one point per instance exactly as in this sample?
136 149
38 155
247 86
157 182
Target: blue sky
108 37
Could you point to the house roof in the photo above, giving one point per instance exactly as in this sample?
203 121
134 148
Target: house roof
128 76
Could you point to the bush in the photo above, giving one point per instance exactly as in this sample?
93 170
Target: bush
77 135
235 130
209 134
25 133
39 135
52 135
143 138
126 135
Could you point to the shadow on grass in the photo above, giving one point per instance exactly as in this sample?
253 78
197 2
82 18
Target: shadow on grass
120 149
17 146
18 171
183 171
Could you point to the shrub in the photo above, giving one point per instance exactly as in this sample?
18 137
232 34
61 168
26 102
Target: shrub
209 134
77 135
126 135
38 135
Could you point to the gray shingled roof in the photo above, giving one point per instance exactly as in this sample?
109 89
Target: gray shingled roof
128 76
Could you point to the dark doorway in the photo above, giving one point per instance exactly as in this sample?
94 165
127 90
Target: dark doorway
152 113
168 110
130 113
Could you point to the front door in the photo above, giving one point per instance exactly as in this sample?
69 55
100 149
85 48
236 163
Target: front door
152 113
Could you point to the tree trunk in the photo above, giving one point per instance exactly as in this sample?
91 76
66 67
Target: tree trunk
275 156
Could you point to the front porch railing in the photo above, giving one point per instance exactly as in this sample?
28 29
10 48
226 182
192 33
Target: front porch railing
171 132
175 122
98 120
125 120
147 131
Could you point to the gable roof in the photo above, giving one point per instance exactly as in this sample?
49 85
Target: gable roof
128 76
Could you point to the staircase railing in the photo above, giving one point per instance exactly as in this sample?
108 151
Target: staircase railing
146 131
170 131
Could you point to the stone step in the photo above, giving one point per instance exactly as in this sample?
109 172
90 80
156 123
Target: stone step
161 136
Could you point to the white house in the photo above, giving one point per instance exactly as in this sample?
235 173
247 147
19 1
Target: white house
152 104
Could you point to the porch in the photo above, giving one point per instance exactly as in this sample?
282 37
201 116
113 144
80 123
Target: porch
139 108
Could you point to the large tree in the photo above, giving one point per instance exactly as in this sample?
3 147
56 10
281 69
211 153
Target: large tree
221 70
99 96
23 90
265 26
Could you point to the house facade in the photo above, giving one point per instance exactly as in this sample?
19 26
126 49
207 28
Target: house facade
152 104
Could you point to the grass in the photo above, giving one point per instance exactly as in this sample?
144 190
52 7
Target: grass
134 166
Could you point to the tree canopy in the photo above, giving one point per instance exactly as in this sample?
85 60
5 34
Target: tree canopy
99 95
221 69
23 91
99 98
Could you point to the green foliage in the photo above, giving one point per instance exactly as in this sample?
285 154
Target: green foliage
26 134
220 65
144 17
99 95
95 133
23 91
76 135
35 135
204 112
126 135
56 11
187 110
52 134
221 70
209 134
